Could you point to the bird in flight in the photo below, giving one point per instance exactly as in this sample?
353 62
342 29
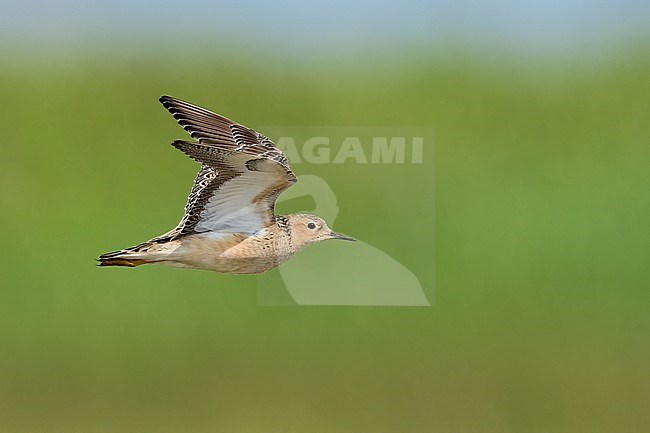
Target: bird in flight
229 224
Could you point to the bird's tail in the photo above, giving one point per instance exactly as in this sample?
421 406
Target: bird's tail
131 257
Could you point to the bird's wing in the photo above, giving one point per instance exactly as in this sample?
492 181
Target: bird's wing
242 173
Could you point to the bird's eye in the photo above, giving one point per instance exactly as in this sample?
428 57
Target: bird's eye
311 226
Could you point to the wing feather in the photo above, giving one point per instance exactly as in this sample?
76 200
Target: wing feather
242 173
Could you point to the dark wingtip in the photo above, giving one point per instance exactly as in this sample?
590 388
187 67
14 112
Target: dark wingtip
166 100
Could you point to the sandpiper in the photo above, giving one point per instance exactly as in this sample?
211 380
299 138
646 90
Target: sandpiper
229 224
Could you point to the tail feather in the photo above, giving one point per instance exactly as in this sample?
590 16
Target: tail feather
130 257
120 262
156 250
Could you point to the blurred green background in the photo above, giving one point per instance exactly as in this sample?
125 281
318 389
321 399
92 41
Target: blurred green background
540 226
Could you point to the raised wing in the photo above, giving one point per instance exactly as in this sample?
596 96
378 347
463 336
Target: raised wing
241 175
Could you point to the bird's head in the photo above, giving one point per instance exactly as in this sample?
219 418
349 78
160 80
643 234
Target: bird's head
309 229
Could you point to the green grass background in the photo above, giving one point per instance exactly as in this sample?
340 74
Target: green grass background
540 226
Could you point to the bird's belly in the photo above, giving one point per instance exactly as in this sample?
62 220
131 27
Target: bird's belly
252 265
230 253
